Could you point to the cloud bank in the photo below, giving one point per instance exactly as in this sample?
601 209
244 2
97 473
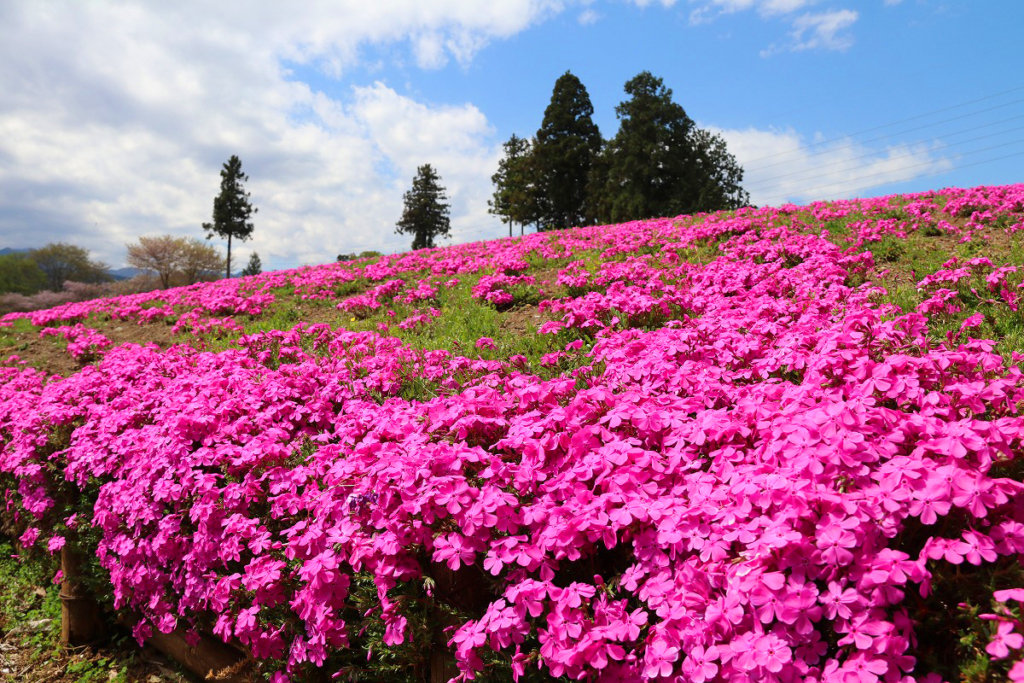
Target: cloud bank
114 120
783 166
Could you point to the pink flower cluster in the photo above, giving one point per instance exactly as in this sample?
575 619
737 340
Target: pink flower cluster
500 289
84 343
756 474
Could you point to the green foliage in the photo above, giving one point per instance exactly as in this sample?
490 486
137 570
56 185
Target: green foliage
888 250
648 158
254 267
363 254
567 142
426 213
232 210
515 192
659 163
30 618
715 175
30 601
949 622
61 262
20 274
906 261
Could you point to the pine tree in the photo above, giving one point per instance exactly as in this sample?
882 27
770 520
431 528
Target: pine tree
647 159
567 142
659 163
515 197
231 208
718 175
254 267
425 216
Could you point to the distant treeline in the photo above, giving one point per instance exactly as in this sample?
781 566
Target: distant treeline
51 275
48 268
353 257
60 272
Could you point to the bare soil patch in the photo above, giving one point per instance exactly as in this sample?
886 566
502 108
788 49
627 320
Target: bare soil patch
524 320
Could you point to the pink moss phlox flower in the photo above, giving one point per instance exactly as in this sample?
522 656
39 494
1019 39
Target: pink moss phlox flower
745 442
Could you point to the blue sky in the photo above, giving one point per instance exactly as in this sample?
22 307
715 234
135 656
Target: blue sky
114 119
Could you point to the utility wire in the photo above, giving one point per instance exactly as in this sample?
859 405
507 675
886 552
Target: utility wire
815 169
890 182
882 137
883 159
935 173
894 123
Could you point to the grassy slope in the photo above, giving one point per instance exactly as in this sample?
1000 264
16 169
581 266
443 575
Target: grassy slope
900 263
28 597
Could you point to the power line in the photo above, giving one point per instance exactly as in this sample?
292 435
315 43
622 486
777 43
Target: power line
916 142
889 135
894 123
890 182
905 168
935 173
862 166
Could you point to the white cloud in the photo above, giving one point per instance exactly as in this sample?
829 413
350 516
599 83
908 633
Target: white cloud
115 119
809 31
707 10
782 166
824 30
588 17
644 3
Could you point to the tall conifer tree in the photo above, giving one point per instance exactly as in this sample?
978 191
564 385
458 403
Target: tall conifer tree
515 196
231 208
566 144
647 159
718 176
254 266
425 216
659 163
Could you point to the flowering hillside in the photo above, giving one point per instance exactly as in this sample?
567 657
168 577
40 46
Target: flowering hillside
770 445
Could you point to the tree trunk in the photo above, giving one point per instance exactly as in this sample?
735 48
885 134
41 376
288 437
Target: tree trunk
81 622
227 273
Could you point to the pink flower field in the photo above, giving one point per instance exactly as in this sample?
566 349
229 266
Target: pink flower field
779 444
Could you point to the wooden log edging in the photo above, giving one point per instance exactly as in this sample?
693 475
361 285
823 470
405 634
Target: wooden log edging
211 659
81 619
463 590
83 623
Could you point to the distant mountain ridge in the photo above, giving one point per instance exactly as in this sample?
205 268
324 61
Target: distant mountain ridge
12 250
126 273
